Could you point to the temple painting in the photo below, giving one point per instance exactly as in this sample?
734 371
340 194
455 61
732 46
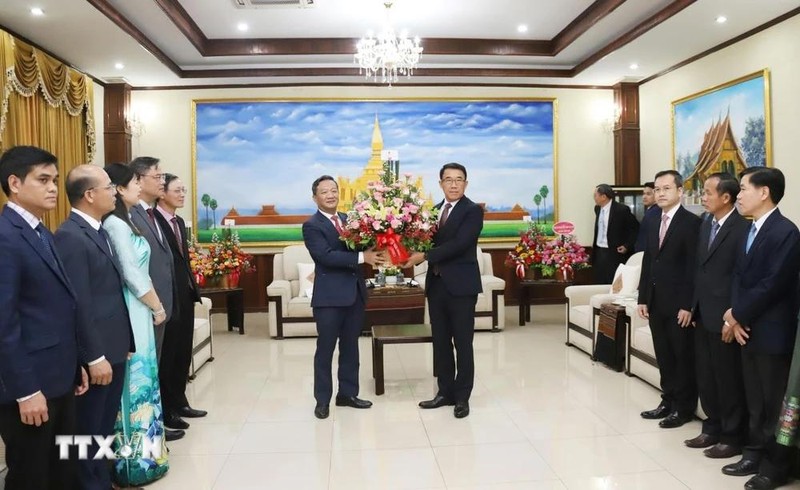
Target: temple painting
722 129
254 161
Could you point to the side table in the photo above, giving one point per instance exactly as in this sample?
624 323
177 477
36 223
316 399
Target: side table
234 304
525 286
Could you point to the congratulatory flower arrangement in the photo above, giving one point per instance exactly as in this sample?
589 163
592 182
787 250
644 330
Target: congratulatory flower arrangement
391 215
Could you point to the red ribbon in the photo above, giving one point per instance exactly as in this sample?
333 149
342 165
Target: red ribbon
391 243
521 271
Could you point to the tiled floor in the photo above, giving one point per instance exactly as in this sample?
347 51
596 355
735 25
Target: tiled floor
543 417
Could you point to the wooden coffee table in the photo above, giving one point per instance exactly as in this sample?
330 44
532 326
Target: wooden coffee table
394 334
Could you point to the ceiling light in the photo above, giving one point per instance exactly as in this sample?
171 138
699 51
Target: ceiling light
119 66
242 26
634 66
388 54
721 19
522 28
37 11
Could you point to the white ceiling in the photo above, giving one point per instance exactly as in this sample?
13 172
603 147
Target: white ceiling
77 32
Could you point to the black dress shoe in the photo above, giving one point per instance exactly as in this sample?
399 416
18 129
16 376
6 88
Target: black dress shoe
174 422
761 482
461 410
743 468
173 435
659 412
722 451
436 402
322 411
352 401
674 420
190 413
701 441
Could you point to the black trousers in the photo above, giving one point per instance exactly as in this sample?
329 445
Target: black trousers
606 261
32 455
342 324
173 367
719 382
674 348
97 411
452 324
765 377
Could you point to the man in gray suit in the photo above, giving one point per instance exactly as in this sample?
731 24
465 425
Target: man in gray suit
151 181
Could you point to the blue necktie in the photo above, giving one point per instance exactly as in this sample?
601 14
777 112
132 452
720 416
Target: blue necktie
714 231
106 239
750 237
44 236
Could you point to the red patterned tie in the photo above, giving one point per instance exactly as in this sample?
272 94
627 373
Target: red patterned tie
335 219
151 216
177 231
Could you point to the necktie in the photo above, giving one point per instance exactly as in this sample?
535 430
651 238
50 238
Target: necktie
106 239
445 214
177 231
662 231
601 232
151 216
714 230
44 237
750 237
335 219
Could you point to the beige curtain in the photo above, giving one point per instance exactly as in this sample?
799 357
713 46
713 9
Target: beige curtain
46 104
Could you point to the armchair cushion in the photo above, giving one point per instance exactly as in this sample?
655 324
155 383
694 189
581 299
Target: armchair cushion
626 279
305 274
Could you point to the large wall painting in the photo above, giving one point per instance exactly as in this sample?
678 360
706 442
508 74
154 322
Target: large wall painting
721 129
254 160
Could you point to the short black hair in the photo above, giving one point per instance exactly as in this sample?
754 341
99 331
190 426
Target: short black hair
169 178
76 187
121 175
772 178
141 165
606 190
453 165
320 179
650 185
727 184
675 175
20 160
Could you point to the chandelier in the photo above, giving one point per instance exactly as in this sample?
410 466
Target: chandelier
387 53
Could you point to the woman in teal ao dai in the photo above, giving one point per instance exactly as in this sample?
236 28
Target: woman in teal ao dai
140 413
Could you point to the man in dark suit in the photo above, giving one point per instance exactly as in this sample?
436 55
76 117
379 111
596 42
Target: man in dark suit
452 285
104 329
162 272
717 356
650 209
763 316
38 337
174 368
665 297
615 230
338 299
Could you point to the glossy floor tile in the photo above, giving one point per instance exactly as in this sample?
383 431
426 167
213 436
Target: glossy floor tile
543 417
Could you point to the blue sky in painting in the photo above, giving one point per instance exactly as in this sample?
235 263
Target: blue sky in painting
694 117
255 153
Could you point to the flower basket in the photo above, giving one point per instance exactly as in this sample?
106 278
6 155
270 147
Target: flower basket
526 256
223 264
392 216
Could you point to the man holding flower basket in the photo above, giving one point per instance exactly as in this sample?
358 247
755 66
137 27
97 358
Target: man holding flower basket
338 300
452 286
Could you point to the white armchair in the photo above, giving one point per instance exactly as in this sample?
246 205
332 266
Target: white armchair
290 313
203 337
490 309
583 305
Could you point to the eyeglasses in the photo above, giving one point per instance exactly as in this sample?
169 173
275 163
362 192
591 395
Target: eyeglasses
109 187
155 176
457 181
181 190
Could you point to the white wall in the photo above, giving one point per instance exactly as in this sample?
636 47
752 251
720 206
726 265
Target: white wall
98 112
777 49
585 146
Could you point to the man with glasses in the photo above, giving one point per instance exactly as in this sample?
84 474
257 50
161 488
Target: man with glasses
666 288
179 332
452 286
162 272
104 328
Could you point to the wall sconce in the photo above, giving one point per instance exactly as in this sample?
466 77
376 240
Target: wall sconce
135 125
